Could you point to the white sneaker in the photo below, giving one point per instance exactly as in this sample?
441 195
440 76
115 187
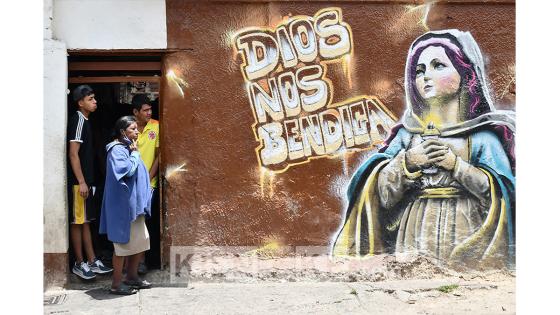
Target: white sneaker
83 271
98 267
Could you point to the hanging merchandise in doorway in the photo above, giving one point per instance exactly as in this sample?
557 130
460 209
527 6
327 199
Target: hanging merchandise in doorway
127 90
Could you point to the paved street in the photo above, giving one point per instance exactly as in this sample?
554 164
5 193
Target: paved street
440 296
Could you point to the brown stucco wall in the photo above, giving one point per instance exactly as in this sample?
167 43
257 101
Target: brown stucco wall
222 198
55 270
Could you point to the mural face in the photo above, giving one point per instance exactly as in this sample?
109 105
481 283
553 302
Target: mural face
291 96
436 78
443 186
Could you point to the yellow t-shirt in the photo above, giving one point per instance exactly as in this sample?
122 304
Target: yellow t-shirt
148 141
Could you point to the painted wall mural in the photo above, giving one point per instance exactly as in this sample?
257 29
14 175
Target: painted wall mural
352 127
291 96
443 186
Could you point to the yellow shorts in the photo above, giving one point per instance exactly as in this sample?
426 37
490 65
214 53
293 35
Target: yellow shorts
81 210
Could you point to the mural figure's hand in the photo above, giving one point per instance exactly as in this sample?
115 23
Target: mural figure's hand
446 160
423 155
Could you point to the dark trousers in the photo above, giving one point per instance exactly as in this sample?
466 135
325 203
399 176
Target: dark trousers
152 223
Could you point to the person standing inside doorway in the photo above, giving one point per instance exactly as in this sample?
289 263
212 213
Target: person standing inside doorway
82 184
148 147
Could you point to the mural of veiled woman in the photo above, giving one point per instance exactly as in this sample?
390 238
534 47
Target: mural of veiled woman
443 185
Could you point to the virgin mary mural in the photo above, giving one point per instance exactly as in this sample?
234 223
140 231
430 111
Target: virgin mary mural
443 186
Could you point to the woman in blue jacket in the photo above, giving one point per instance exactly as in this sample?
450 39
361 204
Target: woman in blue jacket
126 201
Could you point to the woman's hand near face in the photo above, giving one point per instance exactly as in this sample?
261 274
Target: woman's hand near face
134 145
424 155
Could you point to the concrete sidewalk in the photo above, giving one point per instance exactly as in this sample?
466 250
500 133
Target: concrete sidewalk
453 295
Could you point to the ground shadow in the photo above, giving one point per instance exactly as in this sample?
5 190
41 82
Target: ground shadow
102 294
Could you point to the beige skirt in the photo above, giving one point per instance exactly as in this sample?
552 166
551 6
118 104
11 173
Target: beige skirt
139 239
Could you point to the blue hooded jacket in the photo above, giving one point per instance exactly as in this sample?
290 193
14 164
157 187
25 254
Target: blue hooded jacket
127 192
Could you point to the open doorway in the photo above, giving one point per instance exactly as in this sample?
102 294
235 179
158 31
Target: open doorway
115 80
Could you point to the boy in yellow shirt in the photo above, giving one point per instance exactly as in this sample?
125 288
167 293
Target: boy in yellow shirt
148 146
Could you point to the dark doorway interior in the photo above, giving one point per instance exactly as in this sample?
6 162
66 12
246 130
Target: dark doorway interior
111 78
